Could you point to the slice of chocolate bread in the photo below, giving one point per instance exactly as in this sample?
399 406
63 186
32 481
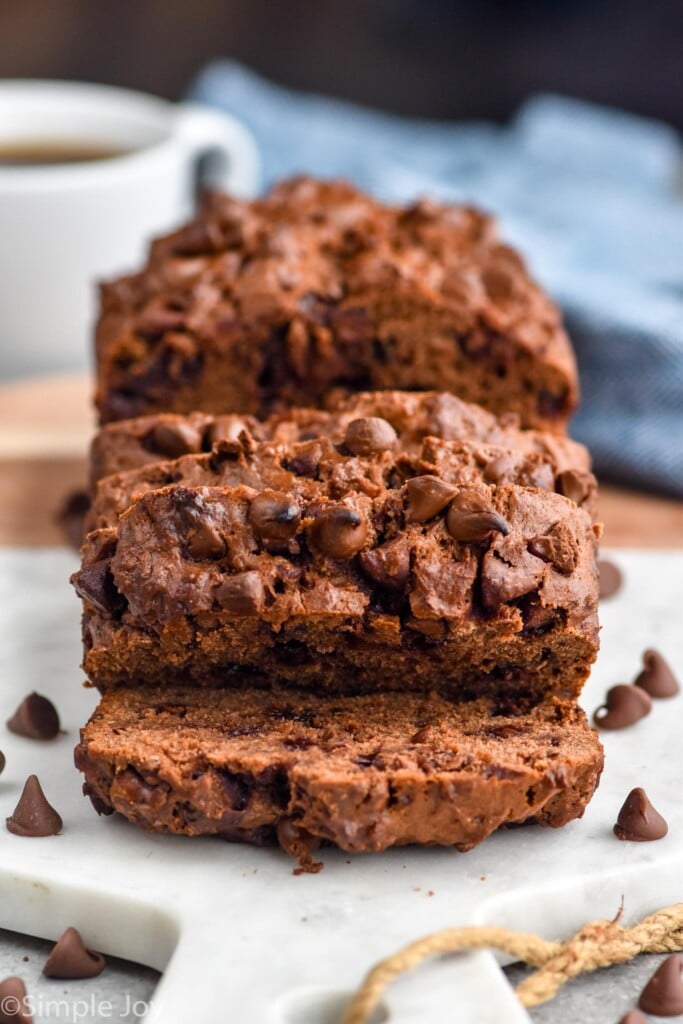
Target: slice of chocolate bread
374 572
364 773
317 290
130 444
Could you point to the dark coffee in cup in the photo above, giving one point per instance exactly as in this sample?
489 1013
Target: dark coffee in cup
42 152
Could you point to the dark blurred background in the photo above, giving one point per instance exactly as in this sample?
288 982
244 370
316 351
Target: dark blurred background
436 58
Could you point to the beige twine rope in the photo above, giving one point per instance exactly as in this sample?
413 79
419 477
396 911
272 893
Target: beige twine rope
596 945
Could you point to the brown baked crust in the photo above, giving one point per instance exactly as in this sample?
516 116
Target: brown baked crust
317 289
363 585
364 773
130 444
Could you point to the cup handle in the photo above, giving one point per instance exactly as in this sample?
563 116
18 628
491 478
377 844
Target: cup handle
233 160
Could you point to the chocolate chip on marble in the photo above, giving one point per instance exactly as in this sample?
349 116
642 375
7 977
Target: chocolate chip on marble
174 439
557 547
338 531
369 435
633 1017
624 705
14 1004
610 578
574 484
95 584
204 543
663 994
471 518
2 762
34 816
638 821
426 496
71 959
656 678
242 594
36 717
388 565
274 516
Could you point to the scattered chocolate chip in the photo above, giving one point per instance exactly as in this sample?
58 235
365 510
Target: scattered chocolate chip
95 584
274 516
388 565
369 435
610 578
338 531
471 518
34 816
426 496
657 679
624 705
663 994
556 547
14 1008
638 821
2 762
204 542
71 516
574 484
174 439
242 594
36 717
70 958
633 1017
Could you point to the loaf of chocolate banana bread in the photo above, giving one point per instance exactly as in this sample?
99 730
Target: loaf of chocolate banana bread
363 773
318 290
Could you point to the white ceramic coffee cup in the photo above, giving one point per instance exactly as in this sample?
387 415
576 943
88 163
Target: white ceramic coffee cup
64 226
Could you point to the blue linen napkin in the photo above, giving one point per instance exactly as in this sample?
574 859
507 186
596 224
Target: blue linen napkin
591 196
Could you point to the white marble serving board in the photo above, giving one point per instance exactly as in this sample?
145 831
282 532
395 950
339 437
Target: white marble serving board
238 936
